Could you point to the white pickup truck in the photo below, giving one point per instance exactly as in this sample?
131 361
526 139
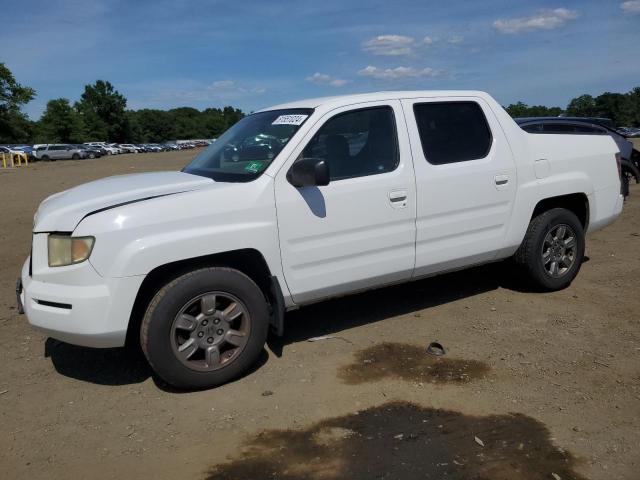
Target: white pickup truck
305 201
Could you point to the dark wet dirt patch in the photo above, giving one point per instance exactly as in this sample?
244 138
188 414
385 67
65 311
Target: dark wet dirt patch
404 441
409 362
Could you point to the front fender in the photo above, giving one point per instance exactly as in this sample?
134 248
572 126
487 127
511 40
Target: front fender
137 238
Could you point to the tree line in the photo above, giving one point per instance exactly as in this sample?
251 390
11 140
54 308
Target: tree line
101 115
622 108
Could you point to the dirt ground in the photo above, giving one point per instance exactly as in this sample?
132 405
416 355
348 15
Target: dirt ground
532 386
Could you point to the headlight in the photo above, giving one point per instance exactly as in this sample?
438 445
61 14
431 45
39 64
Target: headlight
67 250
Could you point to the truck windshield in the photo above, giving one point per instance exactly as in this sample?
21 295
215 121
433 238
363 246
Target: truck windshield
244 151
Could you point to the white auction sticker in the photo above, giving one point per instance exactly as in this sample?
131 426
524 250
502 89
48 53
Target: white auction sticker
290 120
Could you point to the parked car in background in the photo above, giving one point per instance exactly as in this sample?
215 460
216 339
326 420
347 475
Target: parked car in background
65 151
629 132
128 148
8 152
111 150
28 150
115 148
92 151
152 147
587 126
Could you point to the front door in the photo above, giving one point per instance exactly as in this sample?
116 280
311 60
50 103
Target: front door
358 231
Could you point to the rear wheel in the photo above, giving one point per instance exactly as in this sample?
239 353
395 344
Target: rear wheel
553 249
205 328
75 156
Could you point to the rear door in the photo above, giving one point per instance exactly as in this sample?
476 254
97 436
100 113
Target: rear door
358 231
466 182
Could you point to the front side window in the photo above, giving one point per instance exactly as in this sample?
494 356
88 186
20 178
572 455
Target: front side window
245 150
452 131
357 143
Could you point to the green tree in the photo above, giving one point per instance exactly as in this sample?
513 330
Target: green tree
521 109
633 107
613 106
60 123
149 125
14 125
582 106
103 110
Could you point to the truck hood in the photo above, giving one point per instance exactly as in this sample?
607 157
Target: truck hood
63 211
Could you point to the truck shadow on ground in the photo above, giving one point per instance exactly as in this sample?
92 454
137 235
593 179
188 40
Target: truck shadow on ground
404 440
123 366
111 366
333 316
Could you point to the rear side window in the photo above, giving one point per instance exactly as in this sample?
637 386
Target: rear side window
558 128
357 143
533 128
452 132
587 129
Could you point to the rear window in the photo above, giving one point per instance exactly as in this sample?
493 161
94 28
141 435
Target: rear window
452 132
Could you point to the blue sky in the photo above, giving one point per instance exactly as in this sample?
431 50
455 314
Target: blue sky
252 54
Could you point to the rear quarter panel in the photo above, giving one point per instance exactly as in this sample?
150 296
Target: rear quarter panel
566 164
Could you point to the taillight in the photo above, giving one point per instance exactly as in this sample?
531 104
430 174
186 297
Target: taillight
618 164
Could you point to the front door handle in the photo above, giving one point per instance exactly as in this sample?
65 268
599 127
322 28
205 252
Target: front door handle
398 198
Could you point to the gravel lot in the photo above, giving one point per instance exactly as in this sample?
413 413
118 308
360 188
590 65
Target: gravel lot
532 384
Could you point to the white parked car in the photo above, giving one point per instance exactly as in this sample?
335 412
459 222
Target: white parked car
302 202
103 146
128 148
114 148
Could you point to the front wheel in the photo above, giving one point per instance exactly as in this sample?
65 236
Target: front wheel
553 249
205 328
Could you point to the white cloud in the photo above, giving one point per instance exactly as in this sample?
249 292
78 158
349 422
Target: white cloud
324 79
632 6
398 72
223 84
389 45
543 20
402 45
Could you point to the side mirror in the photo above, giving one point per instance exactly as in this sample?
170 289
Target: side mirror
307 172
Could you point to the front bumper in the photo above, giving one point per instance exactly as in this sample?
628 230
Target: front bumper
93 312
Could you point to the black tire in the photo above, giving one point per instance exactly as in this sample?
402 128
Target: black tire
624 183
92 155
75 156
530 253
45 158
156 331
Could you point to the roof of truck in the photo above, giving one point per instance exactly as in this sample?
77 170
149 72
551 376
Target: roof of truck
373 97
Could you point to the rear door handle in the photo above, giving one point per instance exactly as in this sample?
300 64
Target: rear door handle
501 181
398 198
